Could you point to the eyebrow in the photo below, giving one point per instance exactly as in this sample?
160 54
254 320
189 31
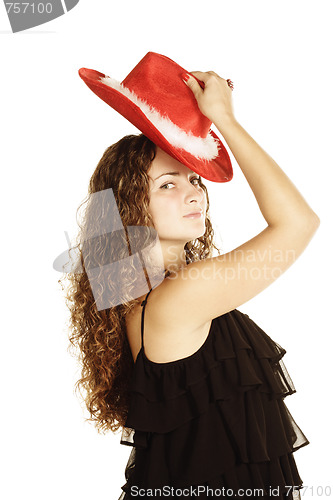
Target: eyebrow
170 173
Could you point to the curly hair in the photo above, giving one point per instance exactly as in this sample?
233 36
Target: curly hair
98 335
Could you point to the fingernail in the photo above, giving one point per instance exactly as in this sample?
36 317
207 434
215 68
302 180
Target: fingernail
185 77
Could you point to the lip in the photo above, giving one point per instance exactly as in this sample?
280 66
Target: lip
194 215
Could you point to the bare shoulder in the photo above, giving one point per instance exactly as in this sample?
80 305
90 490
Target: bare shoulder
179 311
163 342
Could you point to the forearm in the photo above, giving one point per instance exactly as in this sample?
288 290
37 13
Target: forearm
279 200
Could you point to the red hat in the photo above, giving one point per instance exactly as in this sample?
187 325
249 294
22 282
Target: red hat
154 98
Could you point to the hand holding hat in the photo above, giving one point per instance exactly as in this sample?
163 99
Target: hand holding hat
153 97
214 100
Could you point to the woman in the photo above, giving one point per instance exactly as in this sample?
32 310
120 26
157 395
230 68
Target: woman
195 384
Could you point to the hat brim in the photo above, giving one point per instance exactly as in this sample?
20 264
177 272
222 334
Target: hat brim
217 170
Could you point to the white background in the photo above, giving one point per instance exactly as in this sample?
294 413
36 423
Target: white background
54 131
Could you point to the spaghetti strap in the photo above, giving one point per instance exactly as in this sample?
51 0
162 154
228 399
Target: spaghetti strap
143 304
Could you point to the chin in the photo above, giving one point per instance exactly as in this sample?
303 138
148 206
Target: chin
196 235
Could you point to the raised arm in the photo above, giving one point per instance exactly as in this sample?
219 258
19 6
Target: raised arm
206 289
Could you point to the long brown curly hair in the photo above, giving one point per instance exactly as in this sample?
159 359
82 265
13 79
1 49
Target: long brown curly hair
98 334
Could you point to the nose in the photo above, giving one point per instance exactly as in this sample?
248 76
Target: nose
193 194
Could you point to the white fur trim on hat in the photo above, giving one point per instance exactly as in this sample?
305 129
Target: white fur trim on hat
202 148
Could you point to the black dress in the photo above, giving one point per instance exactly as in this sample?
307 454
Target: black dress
214 424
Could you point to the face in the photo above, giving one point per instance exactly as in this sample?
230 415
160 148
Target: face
177 202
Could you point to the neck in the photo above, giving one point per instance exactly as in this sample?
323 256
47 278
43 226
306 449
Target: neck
167 257
173 256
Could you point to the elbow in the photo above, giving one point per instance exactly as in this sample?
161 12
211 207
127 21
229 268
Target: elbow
311 222
315 220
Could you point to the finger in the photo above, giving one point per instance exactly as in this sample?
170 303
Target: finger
193 84
205 76
200 75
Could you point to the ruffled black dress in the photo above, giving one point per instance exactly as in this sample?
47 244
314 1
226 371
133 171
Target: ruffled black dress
214 424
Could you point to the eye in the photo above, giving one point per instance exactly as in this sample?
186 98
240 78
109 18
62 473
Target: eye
197 179
165 185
